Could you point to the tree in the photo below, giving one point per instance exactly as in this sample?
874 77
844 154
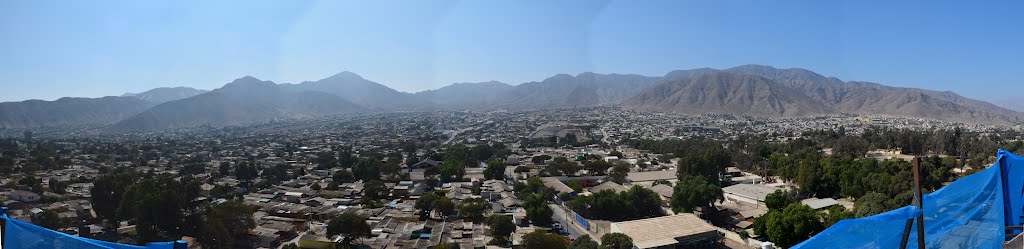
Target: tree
537 210
474 208
451 170
778 200
56 186
835 214
245 171
350 226
584 242
342 176
540 159
224 169
543 240
495 170
444 205
597 167
107 191
426 201
789 226
446 245
162 207
49 219
375 190
224 223
616 241
693 192
662 182
315 186
619 173
502 228
871 204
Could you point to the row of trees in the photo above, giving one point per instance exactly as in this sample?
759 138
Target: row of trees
635 203
164 208
544 240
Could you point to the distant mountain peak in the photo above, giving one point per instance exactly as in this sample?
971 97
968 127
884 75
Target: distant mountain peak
346 75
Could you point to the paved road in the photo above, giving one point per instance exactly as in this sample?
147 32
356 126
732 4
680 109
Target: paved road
561 216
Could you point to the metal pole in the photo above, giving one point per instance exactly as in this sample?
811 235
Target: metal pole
920 202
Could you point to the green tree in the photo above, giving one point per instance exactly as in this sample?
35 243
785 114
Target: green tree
224 223
538 211
162 207
474 208
619 173
350 226
495 170
871 204
543 240
107 191
451 171
49 219
245 171
835 214
444 205
502 228
778 200
597 167
446 245
584 242
342 176
692 192
375 190
616 241
224 169
540 159
789 226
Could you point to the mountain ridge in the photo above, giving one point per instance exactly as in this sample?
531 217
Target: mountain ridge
769 92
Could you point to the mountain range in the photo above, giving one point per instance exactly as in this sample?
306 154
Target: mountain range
753 90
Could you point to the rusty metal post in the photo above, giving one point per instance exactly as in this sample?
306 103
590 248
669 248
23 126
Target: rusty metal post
920 202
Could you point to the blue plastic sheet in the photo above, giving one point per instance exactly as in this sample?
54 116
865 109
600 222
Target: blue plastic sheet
23 235
968 213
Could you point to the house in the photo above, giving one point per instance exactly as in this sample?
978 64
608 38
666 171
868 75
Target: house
24 196
748 193
676 231
293 197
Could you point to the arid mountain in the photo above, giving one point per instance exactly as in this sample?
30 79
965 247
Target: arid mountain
744 90
873 98
242 101
562 90
165 94
1012 104
726 93
69 111
354 88
468 95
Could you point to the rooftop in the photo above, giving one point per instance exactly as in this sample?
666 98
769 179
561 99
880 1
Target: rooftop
754 191
665 230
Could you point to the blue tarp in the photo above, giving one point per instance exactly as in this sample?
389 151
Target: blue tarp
968 213
23 235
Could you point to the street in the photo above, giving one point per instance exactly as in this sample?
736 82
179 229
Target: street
561 216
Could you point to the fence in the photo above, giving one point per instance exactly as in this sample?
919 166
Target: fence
23 235
972 212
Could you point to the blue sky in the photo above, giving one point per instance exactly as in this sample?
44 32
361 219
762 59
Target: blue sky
51 49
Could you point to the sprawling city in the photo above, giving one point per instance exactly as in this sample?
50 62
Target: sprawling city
325 125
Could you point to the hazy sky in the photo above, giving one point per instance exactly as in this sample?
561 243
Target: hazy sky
50 49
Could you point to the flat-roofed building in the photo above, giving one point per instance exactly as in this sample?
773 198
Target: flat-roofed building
748 193
676 231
